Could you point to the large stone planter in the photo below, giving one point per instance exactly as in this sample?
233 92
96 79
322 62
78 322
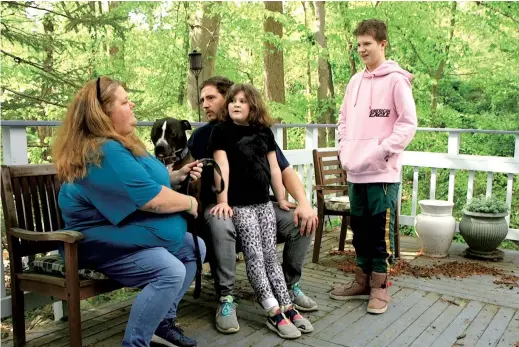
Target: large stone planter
483 233
435 227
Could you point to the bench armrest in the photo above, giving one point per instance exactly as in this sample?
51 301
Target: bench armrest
335 188
67 236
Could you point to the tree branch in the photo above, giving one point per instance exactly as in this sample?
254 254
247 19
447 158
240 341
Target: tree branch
429 70
33 97
21 60
439 72
481 3
21 4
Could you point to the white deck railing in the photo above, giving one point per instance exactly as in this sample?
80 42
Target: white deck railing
15 151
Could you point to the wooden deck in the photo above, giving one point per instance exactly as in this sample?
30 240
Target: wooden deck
424 312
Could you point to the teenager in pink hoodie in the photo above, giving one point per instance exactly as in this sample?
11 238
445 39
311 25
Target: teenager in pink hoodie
377 121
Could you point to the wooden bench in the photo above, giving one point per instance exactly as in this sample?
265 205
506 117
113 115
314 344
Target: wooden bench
32 218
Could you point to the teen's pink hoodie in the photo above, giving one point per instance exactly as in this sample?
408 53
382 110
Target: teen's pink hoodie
377 121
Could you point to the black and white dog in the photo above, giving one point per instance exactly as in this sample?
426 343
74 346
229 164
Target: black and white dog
170 141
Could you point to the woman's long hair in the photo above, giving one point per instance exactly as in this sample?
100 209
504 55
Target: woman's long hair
258 114
86 127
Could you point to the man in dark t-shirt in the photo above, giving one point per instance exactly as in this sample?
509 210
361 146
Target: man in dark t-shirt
295 226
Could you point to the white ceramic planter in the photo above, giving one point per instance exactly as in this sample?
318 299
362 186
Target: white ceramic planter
435 227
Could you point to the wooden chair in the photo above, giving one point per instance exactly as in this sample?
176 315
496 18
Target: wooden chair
330 179
32 218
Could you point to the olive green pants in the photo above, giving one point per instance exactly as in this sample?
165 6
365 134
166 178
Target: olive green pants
373 212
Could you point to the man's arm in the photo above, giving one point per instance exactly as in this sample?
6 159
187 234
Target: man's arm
294 186
303 211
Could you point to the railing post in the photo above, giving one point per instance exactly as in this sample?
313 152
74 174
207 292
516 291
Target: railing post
14 142
336 137
453 146
312 135
516 152
278 135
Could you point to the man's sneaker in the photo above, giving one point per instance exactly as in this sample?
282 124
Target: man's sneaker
281 325
358 289
168 334
299 321
301 302
226 321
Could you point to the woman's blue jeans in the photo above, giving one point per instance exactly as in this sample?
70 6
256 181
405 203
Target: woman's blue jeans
164 278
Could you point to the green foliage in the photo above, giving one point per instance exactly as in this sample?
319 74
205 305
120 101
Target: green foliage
482 204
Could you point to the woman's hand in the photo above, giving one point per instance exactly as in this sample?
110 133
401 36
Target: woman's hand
222 210
193 209
285 205
193 169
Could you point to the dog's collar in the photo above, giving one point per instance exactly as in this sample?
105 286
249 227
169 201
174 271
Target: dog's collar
168 160
183 154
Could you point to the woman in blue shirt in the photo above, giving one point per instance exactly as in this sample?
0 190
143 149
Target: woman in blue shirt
120 198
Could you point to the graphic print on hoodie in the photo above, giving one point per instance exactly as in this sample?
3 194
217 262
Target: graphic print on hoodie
377 121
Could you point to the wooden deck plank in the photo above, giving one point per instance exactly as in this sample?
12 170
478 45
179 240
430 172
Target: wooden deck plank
246 329
496 328
429 335
450 335
112 341
306 340
114 329
336 315
340 325
359 334
345 324
478 325
511 335
409 335
404 321
257 337
61 336
444 286
55 327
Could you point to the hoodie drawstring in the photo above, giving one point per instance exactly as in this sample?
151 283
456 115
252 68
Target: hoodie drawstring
371 92
358 90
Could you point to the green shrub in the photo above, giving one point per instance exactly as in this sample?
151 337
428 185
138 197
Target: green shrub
482 204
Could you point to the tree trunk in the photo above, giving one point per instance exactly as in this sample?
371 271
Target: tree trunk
273 59
204 38
114 49
94 44
438 74
46 90
184 71
325 111
310 40
351 51
351 44
331 105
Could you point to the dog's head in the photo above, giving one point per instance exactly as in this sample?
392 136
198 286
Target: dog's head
169 138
